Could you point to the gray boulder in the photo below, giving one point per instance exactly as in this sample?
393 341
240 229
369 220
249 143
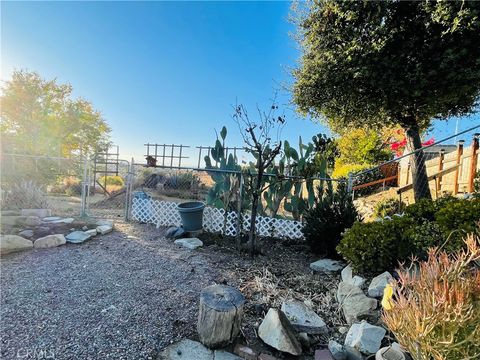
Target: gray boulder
104 222
27 234
224 355
13 243
365 338
49 241
32 221
354 302
175 233
186 350
303 318
104 229
376 287
189 243
91 232
326 265
347 276
276 331
77 237
51 218
337 350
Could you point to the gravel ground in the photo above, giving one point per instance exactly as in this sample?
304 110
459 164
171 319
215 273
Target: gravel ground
124 295
117 296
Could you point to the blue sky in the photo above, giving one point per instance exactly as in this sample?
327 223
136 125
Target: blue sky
164 72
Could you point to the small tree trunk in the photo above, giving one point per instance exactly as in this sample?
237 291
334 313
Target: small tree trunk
220 315
253 218
421 189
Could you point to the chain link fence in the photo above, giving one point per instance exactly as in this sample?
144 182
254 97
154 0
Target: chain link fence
442 168
156 192
32 182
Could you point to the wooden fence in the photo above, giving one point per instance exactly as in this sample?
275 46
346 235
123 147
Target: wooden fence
452 172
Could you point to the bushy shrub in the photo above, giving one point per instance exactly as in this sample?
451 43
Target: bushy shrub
111 180
425 209
388 207
23 195
374 247
476 185
181 181
342 171
332 213
456 219
379 246
434 313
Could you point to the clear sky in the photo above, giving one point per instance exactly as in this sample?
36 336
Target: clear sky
165 72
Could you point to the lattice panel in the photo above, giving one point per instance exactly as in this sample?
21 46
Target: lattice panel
165 213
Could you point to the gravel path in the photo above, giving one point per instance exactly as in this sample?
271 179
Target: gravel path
125 295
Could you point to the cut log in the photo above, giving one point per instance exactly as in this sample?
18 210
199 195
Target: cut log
220 315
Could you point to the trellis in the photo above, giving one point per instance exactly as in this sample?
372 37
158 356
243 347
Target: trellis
165 213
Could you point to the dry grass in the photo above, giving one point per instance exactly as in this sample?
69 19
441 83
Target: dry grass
317 292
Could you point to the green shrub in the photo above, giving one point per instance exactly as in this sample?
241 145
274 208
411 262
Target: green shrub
380 246
425 209
422 237
111 180
388 207
476 185
375 247
458 218
332 213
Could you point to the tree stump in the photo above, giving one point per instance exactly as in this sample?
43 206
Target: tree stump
220 315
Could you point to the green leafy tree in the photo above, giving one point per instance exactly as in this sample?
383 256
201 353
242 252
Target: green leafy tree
375 64
39 117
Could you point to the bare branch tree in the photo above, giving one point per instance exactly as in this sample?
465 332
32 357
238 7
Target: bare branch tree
257 138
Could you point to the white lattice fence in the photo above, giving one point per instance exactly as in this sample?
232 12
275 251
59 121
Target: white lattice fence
165 213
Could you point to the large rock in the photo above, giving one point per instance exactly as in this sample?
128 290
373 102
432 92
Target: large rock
337 350
104 229
276 331
49 241
326 265
354 302
102 222
32 221
347 276
365 338
63 221
175 232
12 220
186 350
303 318
376 287
189 243
51 218
27 234
91 232
41 213
77 237
13 243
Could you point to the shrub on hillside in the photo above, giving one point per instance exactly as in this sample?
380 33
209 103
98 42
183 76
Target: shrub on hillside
456 219
379 246
111 180
375 247
434 313
388 207
332 213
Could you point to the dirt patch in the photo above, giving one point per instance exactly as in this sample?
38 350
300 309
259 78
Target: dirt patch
130 293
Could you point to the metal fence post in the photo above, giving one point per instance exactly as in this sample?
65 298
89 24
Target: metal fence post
350 185
85 189
238 237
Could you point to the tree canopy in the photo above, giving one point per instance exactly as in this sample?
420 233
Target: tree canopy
382 63
388 62
39 117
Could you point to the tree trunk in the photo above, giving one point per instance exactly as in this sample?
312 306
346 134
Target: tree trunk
421 189
220 315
